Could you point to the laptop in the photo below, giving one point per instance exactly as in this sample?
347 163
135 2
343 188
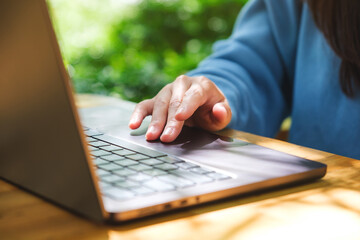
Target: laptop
95 166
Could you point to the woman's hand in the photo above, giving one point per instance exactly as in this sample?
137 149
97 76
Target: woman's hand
193 101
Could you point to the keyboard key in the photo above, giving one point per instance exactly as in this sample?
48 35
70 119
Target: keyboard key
99 161
140 167
218 176
112 157
111 148
90 139
186 165
151 153
125 172
137 156
140 177
197 178
128 145
101 172
110 167
142 191
127 184
126 162
200 170
124 152
119 194
151 162
98 144
176 181
158 185
166 166
92 133
91 148
99 153
155 172
104 185
169 159
112 178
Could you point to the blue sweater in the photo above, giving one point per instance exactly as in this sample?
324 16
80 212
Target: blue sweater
277 64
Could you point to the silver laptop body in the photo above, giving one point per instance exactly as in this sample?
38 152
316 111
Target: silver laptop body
44 149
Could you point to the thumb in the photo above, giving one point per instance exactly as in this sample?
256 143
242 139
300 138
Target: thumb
221 114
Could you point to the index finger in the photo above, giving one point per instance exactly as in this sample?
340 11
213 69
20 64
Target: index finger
173 126
194 97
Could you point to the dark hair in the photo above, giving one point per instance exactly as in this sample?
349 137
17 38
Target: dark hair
339 21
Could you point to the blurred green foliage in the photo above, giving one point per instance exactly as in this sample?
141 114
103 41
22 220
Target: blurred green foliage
148 46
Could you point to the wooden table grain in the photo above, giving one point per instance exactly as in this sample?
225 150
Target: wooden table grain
325 209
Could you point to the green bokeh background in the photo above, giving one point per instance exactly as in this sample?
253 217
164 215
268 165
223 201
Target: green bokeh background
131 49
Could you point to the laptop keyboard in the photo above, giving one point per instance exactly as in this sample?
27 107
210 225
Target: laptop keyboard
127 170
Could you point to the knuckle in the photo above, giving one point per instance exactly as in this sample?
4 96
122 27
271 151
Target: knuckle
167 87
142 104
160 101
181 78
175 103
196 91
155 122
206 84
203 79
172 123
146 101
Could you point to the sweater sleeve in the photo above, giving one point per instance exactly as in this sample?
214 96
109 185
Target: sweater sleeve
254 67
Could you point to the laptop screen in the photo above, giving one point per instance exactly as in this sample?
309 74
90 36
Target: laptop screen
40 145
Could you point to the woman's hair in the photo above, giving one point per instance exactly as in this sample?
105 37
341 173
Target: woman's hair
339 21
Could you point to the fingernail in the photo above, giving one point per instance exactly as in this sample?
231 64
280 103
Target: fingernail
168 131
151 130
134 119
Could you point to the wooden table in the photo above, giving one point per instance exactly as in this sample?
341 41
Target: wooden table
325 209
